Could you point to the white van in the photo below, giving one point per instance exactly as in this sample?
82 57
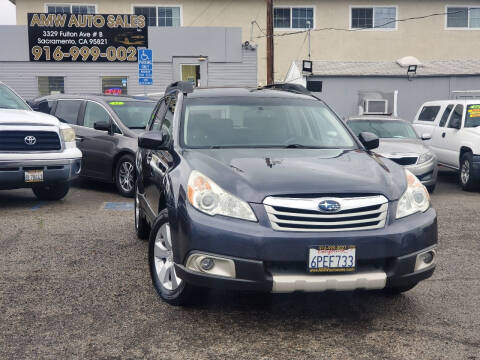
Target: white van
452 129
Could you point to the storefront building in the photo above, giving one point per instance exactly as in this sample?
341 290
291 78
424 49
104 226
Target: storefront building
207 56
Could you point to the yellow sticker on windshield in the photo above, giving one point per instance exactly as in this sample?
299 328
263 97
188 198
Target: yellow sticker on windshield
116 103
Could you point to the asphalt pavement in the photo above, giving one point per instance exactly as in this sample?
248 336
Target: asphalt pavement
74 283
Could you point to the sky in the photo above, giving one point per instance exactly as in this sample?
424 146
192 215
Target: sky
7 13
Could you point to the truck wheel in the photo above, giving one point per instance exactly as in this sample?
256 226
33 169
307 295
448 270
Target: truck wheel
125 175
51 192
467 178
168 285
397 290
141 226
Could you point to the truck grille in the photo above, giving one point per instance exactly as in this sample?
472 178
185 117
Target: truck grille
303 214
16 141
405 160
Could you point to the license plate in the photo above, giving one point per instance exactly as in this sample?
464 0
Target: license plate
332 258
33 176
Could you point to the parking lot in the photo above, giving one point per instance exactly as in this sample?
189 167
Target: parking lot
75 282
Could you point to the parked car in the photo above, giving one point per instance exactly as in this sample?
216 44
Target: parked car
36 150
107 128
400 143
453 126
268 190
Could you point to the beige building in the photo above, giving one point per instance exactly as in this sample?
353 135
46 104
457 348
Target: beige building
439 30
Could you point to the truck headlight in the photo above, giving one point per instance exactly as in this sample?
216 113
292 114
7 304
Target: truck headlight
415 199
425 157
68 134
211 199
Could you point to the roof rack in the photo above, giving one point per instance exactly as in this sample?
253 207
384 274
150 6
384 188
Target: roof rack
186 87
294 88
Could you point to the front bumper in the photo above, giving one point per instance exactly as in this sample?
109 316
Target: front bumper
426 172
255 276
12 173
275 261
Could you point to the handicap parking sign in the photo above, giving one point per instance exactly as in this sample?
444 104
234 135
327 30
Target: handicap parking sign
145 67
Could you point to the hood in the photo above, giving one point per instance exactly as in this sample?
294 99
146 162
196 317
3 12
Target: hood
253 174
26 117
396 147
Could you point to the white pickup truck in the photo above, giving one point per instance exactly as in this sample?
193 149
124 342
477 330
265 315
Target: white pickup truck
36 150
454 128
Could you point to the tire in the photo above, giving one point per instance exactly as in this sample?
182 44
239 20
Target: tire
397 290
125 175
167 284
51 192
467 179
142 228
431 188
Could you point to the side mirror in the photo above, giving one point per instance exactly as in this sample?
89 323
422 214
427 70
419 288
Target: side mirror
369 140
102 126
426 136
153 140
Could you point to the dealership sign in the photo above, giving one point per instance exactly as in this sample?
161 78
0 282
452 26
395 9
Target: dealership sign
86 38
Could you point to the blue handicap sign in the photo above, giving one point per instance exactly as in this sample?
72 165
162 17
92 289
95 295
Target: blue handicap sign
145 81
145 67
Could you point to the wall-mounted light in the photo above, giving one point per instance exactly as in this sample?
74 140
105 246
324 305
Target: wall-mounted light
411 71
202 58
307 66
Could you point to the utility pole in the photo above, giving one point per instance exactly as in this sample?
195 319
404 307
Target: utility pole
270 68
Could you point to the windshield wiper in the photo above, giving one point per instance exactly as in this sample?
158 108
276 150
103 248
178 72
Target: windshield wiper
300 146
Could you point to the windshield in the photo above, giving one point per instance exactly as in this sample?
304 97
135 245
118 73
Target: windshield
473 116
262 122
384 129
10 100
133 114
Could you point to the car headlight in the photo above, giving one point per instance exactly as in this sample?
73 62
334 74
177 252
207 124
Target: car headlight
425 157
415 199
68 134
208 197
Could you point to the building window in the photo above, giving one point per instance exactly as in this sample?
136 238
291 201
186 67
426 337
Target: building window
114 85
48 85
164 16
463 18
293 18
376 17
70 9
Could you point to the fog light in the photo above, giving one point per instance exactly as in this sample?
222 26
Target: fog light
425 260
427 257
207 263
211 264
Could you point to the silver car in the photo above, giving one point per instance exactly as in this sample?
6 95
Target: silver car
400 143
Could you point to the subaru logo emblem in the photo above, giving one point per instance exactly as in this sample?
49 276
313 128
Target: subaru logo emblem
329 206
30 140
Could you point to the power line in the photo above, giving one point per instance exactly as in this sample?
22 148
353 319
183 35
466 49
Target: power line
367 28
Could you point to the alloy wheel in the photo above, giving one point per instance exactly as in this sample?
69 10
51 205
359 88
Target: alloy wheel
465 172
126 176
163 257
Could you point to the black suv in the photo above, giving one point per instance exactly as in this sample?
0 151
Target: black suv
266 189
106 129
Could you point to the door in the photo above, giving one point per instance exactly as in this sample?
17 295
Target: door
151 173
191 73
449 139
98 147
437 141
192 69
